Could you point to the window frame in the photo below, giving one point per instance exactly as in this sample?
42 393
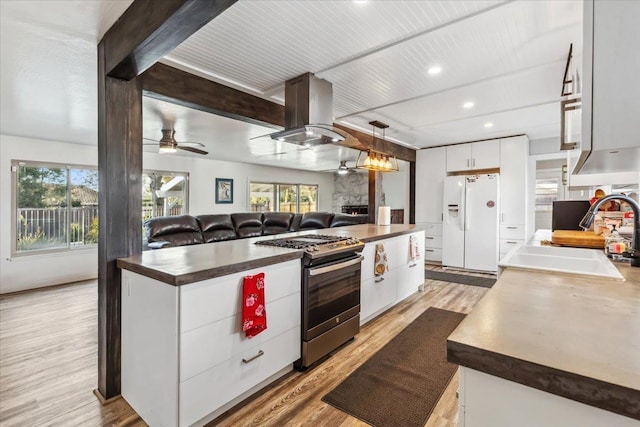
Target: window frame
161 172
15 164
276 193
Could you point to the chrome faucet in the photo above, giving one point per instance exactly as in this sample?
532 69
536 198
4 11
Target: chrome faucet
635 243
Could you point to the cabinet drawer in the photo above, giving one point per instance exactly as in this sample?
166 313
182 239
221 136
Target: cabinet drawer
215 299
433 254
391 248
507 244
208 391
432 241
209 345
410 277
512 231
402 255
431 228
376 295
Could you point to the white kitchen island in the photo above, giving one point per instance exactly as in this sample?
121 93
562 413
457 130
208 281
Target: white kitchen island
185 359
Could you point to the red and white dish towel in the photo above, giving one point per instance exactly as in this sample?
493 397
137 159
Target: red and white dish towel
414 250
254 315
380 266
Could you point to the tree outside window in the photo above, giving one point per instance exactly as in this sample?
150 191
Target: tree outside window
56 206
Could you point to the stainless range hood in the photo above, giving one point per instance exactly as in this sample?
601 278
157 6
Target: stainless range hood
308 113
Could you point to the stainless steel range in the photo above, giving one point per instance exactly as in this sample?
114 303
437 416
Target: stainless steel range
330 292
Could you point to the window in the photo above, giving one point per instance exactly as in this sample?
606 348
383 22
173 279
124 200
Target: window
272 197
546 193
56 206
164 193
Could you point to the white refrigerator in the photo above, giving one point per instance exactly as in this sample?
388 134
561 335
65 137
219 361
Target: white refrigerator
470 223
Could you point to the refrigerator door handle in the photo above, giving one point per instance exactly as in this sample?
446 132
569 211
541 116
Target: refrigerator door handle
467 209
463 208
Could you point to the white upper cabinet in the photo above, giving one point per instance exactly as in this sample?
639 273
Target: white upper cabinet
610 89
474 156
430 173
458 157
485 154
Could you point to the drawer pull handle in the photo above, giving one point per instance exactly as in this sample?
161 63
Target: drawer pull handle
512 243
429 237
512 228
428 250
260 353
379 279
413 265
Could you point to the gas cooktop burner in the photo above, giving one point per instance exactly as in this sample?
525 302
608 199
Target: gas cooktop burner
316 245
302 241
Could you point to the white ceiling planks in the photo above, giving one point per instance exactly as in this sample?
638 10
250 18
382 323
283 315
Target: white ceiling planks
263 43
505 56
502 55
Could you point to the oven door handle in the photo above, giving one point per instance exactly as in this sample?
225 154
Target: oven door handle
323 270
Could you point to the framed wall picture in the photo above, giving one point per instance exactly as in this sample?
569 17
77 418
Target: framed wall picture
224 190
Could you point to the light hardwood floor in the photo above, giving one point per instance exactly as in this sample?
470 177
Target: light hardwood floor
48 364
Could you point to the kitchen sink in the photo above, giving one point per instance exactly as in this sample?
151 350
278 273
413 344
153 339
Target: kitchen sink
589 262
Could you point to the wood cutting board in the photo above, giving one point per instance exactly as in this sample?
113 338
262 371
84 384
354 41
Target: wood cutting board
577 239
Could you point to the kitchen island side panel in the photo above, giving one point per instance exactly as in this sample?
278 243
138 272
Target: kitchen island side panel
149 348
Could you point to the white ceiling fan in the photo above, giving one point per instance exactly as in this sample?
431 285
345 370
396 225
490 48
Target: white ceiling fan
168 144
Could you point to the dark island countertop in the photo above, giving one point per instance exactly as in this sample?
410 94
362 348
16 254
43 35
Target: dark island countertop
188 264
574 336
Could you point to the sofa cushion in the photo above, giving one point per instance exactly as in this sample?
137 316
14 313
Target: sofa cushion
276 222
315 220
247 224
295 222
340 220
216 228
179 230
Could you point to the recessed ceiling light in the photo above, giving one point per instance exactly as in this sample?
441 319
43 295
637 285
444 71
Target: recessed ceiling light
488 125
434 70
468 104
360 1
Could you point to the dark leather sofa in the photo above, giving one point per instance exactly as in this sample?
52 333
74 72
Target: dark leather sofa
182 230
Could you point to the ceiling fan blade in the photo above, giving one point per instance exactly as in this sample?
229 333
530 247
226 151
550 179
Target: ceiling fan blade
193 150
191 144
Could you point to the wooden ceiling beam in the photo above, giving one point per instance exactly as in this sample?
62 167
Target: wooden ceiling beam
150 29
179 87
367 142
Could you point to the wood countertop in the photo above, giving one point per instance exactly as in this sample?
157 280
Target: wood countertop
573 336
188 264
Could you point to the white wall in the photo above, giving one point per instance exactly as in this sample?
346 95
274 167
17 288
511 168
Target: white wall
32 271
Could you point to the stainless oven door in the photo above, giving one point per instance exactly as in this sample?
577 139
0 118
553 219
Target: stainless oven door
331 295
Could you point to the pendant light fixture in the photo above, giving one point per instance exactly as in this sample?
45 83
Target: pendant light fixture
376 160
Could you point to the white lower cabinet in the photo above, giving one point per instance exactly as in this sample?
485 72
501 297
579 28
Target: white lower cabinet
489 401
205 393
402 280
377 294
184 356
432 241
507 244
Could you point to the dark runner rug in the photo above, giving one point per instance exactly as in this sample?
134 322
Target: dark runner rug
485 282
401 384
